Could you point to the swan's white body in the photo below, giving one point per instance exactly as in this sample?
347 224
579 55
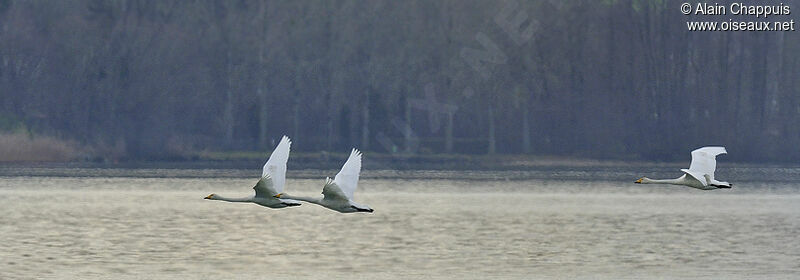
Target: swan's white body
700 174
337 194
273 179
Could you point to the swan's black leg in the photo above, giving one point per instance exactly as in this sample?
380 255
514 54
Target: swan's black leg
362 210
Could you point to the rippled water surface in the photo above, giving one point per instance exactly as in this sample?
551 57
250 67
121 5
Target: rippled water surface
492 225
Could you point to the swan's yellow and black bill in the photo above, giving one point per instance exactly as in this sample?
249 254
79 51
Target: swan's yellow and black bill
639 181
209 196
278 195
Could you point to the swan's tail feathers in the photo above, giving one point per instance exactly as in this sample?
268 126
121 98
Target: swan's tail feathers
328 182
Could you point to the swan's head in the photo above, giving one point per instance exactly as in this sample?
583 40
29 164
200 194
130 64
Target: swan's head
640 180
278 195
211 196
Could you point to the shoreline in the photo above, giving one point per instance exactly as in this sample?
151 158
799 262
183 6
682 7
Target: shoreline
376 161
477 168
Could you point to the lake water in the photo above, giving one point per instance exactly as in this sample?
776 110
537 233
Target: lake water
155 224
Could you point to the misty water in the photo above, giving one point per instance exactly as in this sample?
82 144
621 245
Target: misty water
588 222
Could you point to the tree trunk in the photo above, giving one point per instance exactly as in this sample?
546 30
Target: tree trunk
261 77
772 101
526 130
448 130
263 117
329 127
408 131
296 122
774 65
262 95
228 111
365 123
492 146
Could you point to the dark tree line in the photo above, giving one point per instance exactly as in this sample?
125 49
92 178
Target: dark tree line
614 78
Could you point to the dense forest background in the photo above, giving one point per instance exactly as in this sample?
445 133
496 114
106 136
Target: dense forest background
584 78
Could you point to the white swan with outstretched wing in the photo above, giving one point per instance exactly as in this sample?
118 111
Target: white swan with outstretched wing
273 179
347 178
700 172
275 166
337 193
704 163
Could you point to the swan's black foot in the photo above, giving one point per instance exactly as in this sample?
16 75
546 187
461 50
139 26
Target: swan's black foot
287 204
362 210
722 186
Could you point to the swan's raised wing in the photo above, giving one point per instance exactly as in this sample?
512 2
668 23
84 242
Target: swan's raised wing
332 191
276 164
265 187
704 162
347 179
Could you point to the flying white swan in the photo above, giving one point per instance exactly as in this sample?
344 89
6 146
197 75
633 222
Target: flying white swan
337 194
700 172
273 178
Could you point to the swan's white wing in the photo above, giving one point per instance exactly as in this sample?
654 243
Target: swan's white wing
697 175
331 191
347 179
265 187
276 164
704 162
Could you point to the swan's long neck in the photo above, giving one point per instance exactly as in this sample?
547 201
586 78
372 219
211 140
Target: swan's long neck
243 199
677 181
303 198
